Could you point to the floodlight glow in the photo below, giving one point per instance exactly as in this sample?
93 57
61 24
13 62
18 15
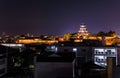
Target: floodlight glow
82 26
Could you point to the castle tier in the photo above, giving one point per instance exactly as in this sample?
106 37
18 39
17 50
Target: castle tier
82 32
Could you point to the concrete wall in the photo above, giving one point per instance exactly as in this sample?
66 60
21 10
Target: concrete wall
53 70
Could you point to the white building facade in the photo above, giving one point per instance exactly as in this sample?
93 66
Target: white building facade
101 54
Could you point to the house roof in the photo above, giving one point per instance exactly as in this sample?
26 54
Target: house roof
57 57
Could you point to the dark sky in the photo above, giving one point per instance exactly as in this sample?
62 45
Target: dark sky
57 17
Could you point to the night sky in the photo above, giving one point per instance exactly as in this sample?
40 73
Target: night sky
57 17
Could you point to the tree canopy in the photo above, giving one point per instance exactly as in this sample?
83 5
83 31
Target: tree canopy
109 33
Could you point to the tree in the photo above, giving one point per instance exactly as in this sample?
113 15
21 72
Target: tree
101 33
67 36
111 33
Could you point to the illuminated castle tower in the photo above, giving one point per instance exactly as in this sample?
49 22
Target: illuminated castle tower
82 32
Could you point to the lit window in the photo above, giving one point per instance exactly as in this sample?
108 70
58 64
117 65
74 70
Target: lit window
74 49
52 47
101 57
56 49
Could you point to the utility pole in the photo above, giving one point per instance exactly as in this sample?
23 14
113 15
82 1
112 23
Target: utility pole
109 67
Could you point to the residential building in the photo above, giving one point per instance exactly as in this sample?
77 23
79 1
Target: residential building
101 54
